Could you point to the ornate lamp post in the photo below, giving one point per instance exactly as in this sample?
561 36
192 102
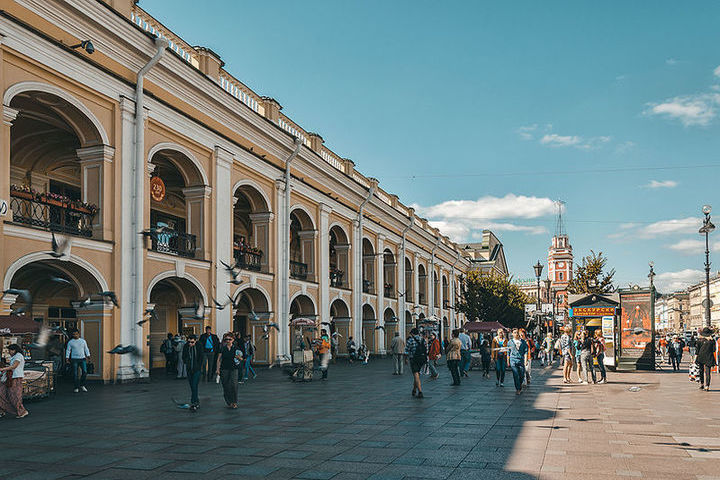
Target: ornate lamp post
706 228
538 271
548 283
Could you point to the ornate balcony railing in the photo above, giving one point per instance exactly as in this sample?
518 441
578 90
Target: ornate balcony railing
390 291
56 217
298 270
368 287
248 260
336 278
175 243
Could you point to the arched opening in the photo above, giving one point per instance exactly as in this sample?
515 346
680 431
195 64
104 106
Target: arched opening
251 229
389 274
302 245
177 204
368 326
436 290
58 165
250 314
391 326
409 322
446 328
445 292
302 306
174 301
409 286
368 266
339 258
56 303
422 285
340 316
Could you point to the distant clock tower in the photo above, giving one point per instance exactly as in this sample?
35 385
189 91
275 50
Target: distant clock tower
560 263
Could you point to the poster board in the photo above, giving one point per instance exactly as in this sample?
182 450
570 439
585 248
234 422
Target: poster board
608 331
636 329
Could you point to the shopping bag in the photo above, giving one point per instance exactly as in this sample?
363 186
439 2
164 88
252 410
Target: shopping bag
694 372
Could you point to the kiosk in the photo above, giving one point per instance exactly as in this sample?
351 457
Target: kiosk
595 311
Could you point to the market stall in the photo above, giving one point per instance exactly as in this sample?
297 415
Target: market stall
39 380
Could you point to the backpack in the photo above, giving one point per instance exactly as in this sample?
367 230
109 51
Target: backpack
420 353
167 347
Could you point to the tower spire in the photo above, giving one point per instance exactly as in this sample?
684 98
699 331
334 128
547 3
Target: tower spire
559 223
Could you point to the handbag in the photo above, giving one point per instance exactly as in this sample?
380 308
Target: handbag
694 372
91 368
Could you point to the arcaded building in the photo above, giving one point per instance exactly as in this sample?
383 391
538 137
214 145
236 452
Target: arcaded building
197 161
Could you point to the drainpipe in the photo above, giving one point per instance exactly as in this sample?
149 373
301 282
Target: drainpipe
358 274
432 278
401 313
137 221
285 269
452 285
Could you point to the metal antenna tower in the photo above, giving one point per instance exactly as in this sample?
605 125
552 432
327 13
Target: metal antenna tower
559 223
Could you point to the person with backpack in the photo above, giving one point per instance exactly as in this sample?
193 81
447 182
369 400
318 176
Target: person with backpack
248 350
168 349
529 356
416 351
466 359
705 357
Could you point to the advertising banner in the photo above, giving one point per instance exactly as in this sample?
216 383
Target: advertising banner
636 323
608 331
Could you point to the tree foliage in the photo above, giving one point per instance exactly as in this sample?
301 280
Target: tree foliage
591 277
489 297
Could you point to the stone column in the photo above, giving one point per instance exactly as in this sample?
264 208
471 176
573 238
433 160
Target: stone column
195 199
96 166
323 276
282 276
261 234
356 311
223 234
380 290
9 115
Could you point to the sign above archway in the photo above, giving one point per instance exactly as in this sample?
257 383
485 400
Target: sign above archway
157 189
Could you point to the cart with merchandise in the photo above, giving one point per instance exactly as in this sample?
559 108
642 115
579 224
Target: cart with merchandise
40 377
302 355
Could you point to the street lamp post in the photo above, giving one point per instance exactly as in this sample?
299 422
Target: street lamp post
538 271
706 228
548 283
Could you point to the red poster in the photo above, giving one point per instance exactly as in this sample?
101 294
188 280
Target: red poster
635 322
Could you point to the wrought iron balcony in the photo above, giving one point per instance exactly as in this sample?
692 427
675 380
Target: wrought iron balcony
368 287
247 260
53 216
175 243
298 270
390 291
336 278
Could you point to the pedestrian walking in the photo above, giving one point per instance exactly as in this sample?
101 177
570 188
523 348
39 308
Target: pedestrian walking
11 384
529 356
77 355
517 352
577 354
210 344
397 349
324 353
547 349
433 356
416 352
351 350
586 358
599 352
180 342
192 357
454 355
333 344
664 352
705 357
675 351
485 355
168 349
466 359
228 362
567 356
248 351
499 355
692 343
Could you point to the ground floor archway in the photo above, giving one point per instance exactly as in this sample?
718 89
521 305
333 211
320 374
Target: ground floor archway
302 306
391 326
251 316
340 317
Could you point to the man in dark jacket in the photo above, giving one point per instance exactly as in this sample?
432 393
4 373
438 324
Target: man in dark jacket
192 356
675 351
705 357
248 350
210 346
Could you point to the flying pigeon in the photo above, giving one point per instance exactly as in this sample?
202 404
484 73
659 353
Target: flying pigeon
221 306
154 231
110 295
22 295
199 308
120 350
234 273
85 303
61 280
380 327
149 315
61 249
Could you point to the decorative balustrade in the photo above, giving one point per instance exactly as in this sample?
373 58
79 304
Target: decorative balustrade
239 91
361 180
51 215
292 128
298 270
174 243
383 196
333 160
248 260
149 24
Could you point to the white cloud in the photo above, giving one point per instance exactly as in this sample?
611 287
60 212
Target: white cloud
527 132
690 246
689 109
555 140
669 227
511 227
491 208
662 184
671 281
716 72
624 147
457 231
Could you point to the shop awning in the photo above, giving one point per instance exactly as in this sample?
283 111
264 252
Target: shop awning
17 325
482 326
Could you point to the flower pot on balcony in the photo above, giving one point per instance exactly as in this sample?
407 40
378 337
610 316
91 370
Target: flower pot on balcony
55 203
81 209
22 194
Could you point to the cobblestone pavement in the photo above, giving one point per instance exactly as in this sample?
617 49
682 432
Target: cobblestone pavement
363 423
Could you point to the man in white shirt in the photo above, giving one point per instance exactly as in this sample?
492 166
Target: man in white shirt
465 359
77 355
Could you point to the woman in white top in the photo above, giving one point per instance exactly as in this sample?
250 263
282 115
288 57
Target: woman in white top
11 389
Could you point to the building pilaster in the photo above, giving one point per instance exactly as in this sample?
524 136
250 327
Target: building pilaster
223 234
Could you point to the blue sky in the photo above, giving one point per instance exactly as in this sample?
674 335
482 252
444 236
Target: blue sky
483 113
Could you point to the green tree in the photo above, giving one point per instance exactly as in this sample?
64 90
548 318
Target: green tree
591 276
490 297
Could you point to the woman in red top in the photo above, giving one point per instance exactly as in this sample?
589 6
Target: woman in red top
433 355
